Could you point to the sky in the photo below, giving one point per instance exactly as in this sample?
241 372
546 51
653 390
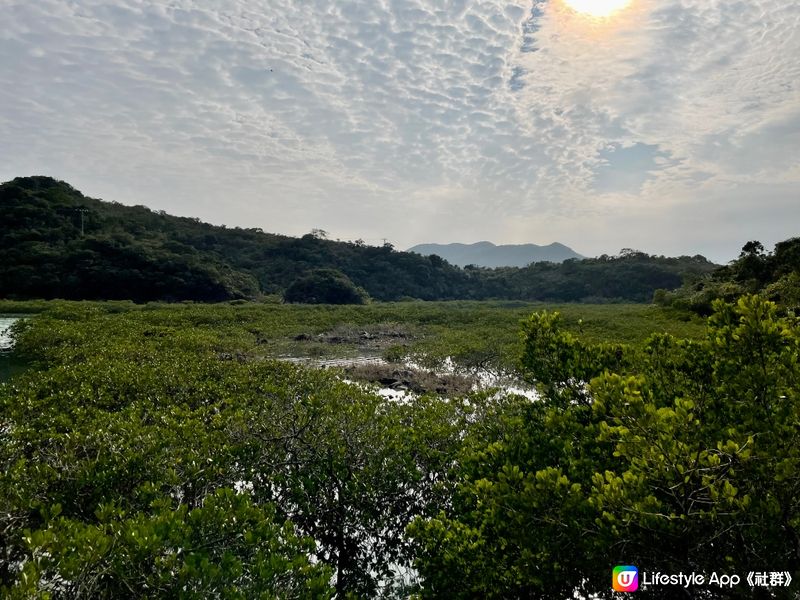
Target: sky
671 127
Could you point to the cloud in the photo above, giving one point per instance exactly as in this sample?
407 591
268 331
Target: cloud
408 119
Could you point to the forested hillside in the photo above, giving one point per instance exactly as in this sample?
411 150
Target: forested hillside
58 243
774 274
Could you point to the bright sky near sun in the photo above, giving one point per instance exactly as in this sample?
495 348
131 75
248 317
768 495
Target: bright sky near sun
670 127
598 8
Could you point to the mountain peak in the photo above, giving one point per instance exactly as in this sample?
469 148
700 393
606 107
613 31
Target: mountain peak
487 254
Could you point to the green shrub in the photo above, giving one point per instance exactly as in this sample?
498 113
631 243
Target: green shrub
325 286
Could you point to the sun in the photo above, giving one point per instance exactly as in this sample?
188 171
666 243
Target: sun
597 8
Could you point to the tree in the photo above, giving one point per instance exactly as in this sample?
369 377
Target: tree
754 248
228 548
139 460
752 265
685 458
324 286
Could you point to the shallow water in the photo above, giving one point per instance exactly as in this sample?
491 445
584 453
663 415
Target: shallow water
10 365
6 322
484 378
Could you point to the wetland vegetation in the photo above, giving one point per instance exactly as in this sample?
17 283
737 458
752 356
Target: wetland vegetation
307 388
162 450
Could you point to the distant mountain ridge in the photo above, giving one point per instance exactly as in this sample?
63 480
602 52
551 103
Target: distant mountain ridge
487 254
57 243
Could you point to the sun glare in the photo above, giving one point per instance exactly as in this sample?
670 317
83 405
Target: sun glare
597 8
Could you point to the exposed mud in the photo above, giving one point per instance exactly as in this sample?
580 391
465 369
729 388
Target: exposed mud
407 379
368 338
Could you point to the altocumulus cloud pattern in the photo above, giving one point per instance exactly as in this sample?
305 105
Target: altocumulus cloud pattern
518 121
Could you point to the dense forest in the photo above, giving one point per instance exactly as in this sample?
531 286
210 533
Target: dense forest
58 243
776 275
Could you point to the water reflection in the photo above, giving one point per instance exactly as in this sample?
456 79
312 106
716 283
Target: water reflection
9 364
5 331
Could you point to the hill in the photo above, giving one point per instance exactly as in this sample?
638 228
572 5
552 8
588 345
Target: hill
487 254
58 243
776 275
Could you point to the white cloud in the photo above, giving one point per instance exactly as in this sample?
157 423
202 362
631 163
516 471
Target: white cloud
416 120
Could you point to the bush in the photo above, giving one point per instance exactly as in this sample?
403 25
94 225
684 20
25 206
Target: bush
325 286
684 452
786 291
